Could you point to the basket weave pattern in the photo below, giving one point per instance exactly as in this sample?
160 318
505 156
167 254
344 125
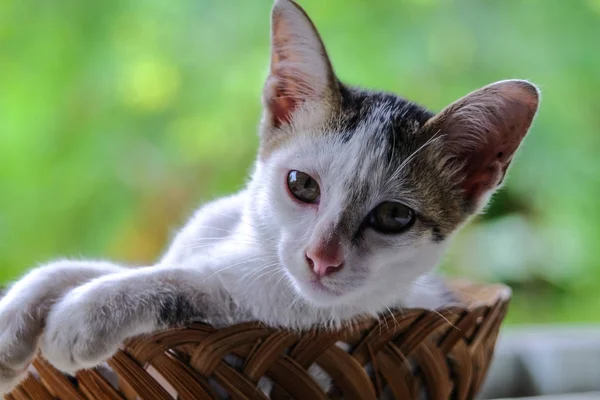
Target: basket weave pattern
445 353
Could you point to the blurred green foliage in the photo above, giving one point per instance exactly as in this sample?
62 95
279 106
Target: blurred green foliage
118 118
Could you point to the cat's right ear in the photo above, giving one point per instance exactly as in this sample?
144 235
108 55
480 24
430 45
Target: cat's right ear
300 72
481 133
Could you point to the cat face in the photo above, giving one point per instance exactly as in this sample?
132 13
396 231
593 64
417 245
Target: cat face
377 221
362 189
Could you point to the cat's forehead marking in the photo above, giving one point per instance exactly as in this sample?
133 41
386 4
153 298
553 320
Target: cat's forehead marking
378 133
386 114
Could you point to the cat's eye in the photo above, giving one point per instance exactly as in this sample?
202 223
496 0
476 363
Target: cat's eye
303 187
391 217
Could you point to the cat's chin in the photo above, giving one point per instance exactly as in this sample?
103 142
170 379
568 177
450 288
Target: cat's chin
320 295
319 287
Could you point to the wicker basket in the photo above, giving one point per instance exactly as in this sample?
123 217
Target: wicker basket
445 355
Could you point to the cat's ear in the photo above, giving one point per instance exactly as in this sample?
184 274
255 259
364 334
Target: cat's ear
481 132
300 70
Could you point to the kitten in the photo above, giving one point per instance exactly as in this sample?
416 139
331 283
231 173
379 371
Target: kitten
352 201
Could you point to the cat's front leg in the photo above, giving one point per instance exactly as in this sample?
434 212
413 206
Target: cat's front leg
91 322
24 308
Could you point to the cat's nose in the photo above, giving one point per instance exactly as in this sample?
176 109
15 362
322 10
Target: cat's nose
325 260
321 267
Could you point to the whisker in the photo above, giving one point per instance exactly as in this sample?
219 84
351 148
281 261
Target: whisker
214 228
433 138
235 235
255 271
269 271
236 232
277 271
394 318
393 147
261 275
446 319
378 322
283 276
235 238
233 217
214 245
233 265
215 241
293 303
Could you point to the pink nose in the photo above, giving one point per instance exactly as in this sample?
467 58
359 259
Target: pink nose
325 259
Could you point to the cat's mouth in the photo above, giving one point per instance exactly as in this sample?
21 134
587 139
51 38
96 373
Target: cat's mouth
319 286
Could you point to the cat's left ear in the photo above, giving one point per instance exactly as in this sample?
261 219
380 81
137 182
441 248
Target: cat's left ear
301 73
481 133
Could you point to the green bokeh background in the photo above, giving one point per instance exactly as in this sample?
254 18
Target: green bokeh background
118 118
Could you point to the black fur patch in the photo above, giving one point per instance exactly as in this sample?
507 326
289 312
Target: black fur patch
352 105
358 105
438 236
177 310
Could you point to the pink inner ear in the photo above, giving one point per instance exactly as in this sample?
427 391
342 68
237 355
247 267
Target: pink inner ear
484 130
485 169
281 105
300 68
282 91
483 174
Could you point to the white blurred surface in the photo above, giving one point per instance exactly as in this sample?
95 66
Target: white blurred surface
545 360
579 396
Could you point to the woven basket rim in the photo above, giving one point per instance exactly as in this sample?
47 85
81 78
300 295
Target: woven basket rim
473 296
481 294
452 346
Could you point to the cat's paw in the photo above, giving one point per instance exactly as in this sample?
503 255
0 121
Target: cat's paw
12 371
17 348
10 378
78 336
